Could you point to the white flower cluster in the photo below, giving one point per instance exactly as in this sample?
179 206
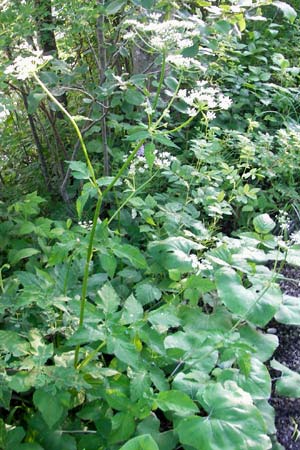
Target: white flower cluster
163 160
204 97
172 36
4 112
283 220
23 67
86 224
182 62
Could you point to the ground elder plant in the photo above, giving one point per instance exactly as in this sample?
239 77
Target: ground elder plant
138 323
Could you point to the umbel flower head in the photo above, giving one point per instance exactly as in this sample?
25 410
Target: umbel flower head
24 67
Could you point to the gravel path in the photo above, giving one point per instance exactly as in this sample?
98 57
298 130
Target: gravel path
288 353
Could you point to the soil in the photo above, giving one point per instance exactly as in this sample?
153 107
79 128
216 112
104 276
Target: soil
287 410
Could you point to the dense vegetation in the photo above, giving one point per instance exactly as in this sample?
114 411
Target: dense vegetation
149 176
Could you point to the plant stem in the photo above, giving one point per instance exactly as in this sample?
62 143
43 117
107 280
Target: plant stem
161 80
133 193
86 273
76 128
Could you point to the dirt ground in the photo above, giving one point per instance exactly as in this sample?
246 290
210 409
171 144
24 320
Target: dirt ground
288 353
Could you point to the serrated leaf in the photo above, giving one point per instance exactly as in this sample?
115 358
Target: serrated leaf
177 402
109 264
147 293
233 422
131 253
132 311
79 169
109 298
125 351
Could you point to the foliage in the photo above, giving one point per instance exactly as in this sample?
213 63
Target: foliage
140 321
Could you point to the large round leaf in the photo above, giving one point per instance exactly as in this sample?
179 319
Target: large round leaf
289 311
233 422
257 304
257 383
263 224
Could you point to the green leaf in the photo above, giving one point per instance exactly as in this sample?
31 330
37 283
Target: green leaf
191 383
134 97
15 256
264 343
114 6
257 383
144 442
149 154
109 264
133 254
33 100
198 350
263 224
289 311
165 140
164 317
233 422
51 406
147 293
138 135
79 169
28 446
176 401
257 304
287 10
123 426
171 83
109 297
11 342
289 383
125 351
132 311
174 253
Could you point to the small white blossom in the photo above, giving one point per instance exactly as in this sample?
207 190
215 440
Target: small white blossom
23 67
224 102
210 115
133 213
184 63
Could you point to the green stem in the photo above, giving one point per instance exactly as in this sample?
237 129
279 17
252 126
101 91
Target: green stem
76 128
86 273
133 193
91 356
161 80
184 124
124 167
170 102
